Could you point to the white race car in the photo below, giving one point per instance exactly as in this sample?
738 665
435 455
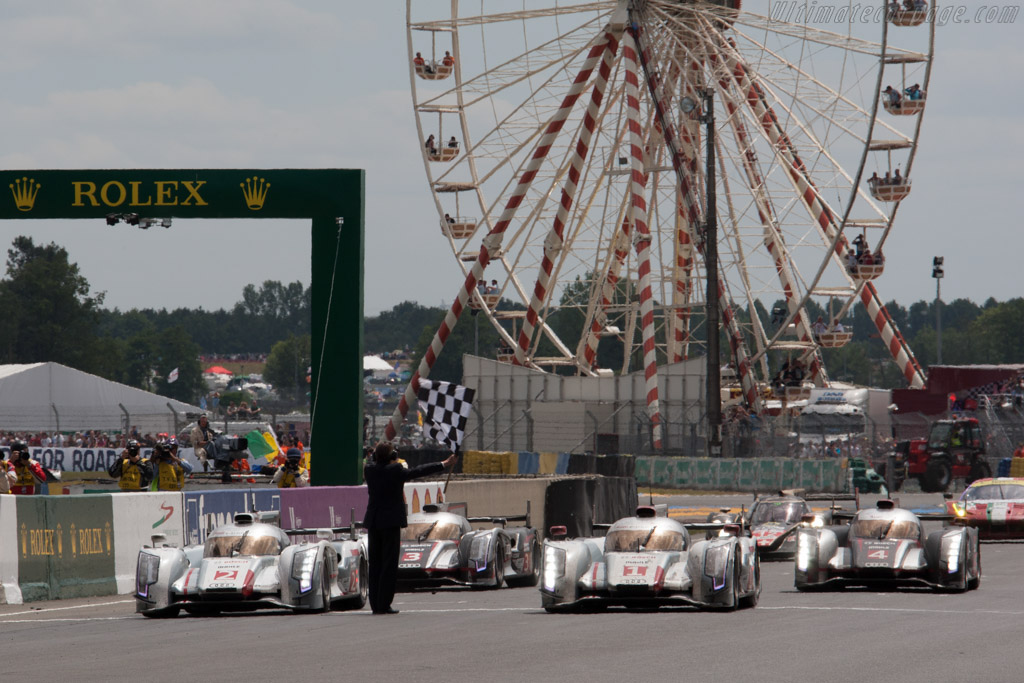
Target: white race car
649 561
252 564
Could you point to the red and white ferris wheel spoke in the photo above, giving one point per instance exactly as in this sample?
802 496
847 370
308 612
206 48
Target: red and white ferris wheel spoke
620 250
682 287
642 241
751 395
891 336
772 238
820 212
492 242
555 241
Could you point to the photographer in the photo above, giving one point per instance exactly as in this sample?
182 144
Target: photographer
170 469
132 471
7 476
202 441
290 474
28 473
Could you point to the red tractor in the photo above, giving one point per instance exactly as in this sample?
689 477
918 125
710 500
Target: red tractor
954 449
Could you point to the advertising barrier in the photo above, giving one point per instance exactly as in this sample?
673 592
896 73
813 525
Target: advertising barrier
78 459
138 516
64 546
10 590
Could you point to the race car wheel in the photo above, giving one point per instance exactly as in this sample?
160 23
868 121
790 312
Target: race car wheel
937 476
979 470
972 584
499 565
533 577
325 591
358 601
751 600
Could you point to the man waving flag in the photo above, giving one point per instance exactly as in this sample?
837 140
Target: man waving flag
445 407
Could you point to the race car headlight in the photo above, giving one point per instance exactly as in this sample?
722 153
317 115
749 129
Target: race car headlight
146 573
302 569
959 509
817 523
554 567
716 565
804 552
953 554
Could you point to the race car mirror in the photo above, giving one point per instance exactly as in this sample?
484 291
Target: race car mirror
558 531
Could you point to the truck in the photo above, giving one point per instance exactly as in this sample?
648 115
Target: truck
954 449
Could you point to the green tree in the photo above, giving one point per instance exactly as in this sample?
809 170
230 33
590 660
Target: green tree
48 312
177 351
287 364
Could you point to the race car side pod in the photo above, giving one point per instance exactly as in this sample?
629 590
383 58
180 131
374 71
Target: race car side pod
502 521
350 529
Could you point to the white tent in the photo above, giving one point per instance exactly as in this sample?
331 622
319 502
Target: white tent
52 397
378 366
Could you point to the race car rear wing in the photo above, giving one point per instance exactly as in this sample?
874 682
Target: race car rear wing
502 521
329 533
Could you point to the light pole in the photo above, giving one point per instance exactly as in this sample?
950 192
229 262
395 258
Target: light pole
714 373
938 274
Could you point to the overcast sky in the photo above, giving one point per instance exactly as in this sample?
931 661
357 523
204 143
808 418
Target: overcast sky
280 84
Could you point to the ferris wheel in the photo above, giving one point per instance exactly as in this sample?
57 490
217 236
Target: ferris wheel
566 147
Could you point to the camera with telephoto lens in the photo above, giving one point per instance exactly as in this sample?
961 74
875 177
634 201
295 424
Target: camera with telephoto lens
227 448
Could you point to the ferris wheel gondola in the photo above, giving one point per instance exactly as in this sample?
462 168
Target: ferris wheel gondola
582 145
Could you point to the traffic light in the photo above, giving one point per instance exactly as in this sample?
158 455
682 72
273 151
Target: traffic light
937 267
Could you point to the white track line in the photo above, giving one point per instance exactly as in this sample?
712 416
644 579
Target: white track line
43 610
893 609
47 621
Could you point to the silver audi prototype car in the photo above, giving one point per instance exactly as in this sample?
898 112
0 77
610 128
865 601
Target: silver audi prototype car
886 546
649 560
252 564
440 546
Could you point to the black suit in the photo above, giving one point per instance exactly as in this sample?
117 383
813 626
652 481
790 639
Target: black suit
384 520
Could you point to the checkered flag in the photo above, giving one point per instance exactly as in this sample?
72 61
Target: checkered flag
445 407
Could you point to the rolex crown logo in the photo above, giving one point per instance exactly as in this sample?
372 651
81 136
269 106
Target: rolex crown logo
25 191
255 192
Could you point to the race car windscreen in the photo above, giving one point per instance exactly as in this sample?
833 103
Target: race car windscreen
784 512
242 544
635 540
889 529
432 531
996 492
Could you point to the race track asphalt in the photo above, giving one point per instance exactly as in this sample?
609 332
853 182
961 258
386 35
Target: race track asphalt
462 635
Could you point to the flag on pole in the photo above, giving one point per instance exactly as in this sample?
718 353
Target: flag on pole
271 440
173 377
445 408
258 445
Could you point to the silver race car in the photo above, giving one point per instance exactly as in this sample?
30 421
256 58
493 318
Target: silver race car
772 516
887 546
440 546
648 561
251 564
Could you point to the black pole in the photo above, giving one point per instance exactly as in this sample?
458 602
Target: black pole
714 373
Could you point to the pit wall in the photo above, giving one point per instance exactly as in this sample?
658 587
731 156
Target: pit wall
68 546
